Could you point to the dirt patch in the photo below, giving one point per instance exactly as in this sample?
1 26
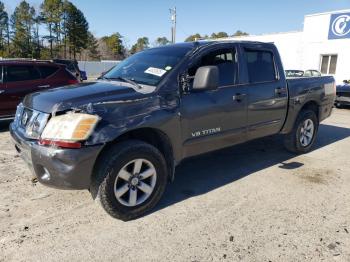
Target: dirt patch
316 176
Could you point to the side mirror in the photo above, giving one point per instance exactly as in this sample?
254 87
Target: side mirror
206 78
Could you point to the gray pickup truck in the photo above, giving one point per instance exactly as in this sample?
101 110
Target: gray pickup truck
122 136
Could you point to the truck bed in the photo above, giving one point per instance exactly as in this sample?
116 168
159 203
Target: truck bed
321 89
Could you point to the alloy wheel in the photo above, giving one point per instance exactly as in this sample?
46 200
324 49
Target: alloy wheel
307 132
135 182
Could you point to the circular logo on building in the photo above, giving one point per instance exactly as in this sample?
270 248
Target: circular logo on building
341 25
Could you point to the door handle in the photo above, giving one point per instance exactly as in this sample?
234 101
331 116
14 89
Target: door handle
44 86
238 97
280 91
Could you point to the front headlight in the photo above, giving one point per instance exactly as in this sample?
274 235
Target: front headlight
71 127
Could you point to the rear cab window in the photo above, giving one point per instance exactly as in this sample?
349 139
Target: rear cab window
260 66
16 73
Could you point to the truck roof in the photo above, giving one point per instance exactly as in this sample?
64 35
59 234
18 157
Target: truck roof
202 43
24 62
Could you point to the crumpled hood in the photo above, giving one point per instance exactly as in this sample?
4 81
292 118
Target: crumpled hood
67 97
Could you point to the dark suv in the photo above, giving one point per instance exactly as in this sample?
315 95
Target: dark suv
19 78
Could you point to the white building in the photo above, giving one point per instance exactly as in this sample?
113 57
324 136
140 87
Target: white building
324 44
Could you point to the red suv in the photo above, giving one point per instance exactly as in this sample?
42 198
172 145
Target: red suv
19 78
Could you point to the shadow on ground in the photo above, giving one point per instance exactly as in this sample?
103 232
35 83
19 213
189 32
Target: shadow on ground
4 125
203 174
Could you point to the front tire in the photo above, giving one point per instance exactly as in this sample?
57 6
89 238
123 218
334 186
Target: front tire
129 180
302 137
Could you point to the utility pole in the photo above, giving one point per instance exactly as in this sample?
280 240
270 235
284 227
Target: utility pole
173 28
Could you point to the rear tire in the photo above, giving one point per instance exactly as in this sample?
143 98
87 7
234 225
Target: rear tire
130 179
302 137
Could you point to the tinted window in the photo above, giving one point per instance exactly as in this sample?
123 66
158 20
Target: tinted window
47 71
224 59
261 66
1 73
71 67
21 73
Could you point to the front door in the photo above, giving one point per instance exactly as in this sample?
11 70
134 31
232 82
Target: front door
213 119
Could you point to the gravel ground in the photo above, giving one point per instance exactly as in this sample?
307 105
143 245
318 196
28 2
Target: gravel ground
253 202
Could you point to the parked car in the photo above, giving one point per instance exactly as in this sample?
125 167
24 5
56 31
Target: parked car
312 73
73 67
121 137
343 95
294 73
300 73
19 78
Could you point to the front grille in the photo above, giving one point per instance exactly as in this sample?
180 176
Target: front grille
26 117
30 121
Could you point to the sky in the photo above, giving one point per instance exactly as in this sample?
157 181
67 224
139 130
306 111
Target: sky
151 18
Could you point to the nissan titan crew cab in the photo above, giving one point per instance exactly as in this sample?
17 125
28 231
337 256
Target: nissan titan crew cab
122 136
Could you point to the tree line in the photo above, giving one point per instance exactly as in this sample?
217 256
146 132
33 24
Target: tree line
66 25
198 36
66 34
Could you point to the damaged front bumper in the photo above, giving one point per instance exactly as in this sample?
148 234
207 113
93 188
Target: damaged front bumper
57 167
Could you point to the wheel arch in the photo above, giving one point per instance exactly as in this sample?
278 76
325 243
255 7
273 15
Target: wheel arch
294 111
311 105
152 136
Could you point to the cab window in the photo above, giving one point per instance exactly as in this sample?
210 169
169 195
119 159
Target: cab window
225 60
260 65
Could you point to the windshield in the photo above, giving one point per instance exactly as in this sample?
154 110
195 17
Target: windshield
150 66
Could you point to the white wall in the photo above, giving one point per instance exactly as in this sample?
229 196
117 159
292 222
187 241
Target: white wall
316 43
303 50
289 45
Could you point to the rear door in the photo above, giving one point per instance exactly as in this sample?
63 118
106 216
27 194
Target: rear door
20 80
268 93
213 119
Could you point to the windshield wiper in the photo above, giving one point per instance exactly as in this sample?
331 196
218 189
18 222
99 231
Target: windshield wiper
124 80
